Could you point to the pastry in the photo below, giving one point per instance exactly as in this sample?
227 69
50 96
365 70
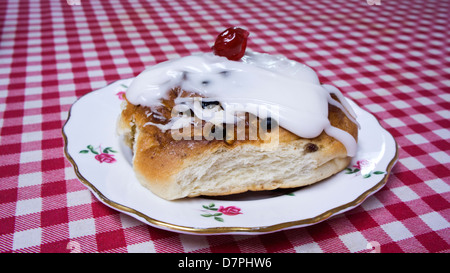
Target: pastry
233 120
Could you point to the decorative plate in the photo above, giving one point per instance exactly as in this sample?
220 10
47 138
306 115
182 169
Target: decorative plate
104 165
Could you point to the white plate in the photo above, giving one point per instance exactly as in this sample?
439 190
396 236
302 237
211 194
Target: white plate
103 164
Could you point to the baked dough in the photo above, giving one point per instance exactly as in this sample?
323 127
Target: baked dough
174 169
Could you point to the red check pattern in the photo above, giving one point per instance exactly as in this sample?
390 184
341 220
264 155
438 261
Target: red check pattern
392 58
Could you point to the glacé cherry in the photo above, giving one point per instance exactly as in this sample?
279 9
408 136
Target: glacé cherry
231 43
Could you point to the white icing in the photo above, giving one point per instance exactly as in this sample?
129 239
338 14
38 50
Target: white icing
258 81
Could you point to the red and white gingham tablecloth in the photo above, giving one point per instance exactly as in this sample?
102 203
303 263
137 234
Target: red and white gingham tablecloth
392 58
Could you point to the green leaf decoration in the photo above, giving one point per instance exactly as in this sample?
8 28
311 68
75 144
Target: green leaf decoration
350 171
108 150
123 85
84 151
366 175
217 214
206 215
92 149
210 207
378 172
220 219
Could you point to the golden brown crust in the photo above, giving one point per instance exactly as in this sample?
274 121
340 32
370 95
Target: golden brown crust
158 158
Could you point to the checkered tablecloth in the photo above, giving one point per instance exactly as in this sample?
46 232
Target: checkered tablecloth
392 58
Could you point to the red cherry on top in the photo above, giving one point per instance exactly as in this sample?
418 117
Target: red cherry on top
231 43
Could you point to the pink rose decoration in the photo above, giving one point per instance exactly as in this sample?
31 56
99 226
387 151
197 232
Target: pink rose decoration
121 95
101 155
363 167
217 213
105 158
363 164
231 210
